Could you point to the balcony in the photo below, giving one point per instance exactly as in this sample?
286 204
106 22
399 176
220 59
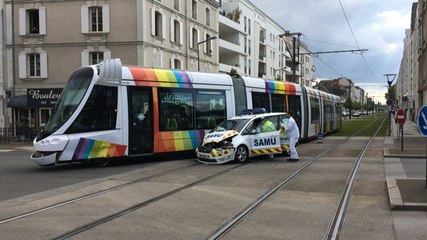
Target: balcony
228 46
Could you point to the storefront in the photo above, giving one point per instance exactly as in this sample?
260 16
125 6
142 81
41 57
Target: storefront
33 110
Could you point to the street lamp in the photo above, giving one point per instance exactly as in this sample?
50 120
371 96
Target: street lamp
198 50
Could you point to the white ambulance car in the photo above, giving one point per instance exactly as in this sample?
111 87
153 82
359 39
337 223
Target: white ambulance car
252 133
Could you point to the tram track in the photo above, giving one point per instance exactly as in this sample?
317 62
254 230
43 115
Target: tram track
90 195
337 221
220 232
141 205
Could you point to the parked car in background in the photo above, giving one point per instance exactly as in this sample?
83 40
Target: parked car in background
356 114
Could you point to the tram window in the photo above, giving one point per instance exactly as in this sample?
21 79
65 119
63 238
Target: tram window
328 111
260 100
99 113
338 109
315 110
176 109
210 108
278 102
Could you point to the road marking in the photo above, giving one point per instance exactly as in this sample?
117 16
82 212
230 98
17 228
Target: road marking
6 150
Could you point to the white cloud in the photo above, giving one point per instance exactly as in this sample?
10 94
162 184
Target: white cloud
378 25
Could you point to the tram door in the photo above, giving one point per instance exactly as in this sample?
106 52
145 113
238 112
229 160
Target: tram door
141 135
294 103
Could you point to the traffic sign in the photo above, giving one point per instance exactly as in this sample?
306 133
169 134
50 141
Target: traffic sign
422 121
400 117
389 102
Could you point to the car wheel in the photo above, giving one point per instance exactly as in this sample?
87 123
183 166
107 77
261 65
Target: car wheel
241 154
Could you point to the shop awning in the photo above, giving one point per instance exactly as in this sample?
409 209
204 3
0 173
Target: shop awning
18 102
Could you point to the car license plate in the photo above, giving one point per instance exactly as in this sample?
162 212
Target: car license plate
204 155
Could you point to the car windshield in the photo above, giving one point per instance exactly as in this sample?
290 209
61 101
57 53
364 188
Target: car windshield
231 124
70 99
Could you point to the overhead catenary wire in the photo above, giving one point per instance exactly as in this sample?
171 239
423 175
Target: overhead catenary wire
355 40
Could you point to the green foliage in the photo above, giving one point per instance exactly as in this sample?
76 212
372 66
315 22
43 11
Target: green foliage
233 72
391 94
234 15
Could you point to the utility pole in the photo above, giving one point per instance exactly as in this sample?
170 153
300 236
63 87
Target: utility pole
295 51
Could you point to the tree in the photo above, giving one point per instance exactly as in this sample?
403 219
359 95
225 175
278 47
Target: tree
391 94
233 72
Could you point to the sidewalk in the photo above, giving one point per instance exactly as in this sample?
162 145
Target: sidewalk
13 145
406 170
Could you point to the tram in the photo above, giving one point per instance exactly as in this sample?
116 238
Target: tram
110 111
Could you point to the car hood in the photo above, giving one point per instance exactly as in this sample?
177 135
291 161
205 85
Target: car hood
218 136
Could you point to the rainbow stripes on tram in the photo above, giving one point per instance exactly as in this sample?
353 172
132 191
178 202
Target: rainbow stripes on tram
89 148
179 141
277 87
160 77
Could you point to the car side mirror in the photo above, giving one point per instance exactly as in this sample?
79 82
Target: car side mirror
253 131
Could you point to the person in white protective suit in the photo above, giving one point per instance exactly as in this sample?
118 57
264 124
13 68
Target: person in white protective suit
293 134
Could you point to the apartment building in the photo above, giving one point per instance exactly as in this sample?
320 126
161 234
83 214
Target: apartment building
409 85
255 45
258 52
45 41
421 30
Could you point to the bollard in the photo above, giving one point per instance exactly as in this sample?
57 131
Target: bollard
320 137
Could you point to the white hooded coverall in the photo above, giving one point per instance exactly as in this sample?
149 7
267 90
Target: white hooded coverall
293 134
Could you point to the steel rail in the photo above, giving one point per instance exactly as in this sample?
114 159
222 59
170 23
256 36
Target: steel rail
225 228
337 222
141 205
73 200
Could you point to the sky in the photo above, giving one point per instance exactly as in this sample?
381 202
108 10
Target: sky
377 25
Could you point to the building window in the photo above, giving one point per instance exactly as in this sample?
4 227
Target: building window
96 57
249 27
194 38
158 24
249 47
32 21
95 19
32 64
176 5
92 55
194 9
249 67
208 17
176 31
175 63
95 15
208 45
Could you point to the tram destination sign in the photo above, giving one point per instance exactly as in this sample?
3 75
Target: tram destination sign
43 97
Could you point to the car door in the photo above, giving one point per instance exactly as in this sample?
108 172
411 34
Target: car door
267 137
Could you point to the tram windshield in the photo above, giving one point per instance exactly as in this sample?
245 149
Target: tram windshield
70 99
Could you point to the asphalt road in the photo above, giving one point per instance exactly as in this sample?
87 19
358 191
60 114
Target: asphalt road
19 176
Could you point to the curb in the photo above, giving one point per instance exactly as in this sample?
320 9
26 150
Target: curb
390 155
396 202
